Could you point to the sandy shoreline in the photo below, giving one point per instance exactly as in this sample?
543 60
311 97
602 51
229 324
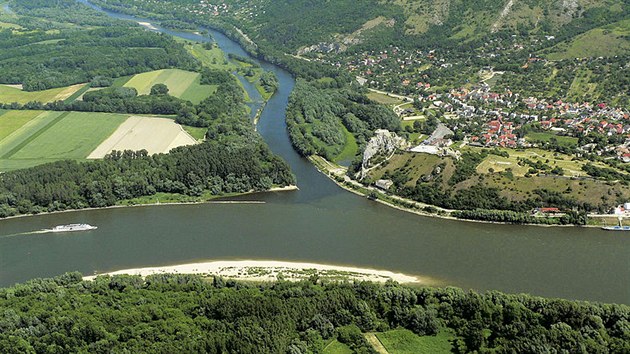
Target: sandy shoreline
256 270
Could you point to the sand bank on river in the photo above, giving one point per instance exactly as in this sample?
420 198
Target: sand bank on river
270 270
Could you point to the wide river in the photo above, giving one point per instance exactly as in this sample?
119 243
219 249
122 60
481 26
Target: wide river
322 223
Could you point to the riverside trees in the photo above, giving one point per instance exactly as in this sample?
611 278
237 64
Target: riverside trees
189 313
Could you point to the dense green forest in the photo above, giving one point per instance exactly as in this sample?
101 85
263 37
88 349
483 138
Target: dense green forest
41 60
176 313
217 167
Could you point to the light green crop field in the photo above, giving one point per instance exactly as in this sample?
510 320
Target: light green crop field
182 84
12 94
75 136
403 341
52 136
10 121
39 122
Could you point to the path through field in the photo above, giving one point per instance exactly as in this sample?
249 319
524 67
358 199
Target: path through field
376 343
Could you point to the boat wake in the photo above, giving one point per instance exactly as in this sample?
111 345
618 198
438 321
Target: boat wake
26 233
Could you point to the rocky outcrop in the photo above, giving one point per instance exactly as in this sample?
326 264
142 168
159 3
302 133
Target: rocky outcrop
379 149
323 48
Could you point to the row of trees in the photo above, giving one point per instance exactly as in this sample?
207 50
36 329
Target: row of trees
509 216
174 313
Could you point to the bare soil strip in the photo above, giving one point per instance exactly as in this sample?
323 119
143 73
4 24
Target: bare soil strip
375 343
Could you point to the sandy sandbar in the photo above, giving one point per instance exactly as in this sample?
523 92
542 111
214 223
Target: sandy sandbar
255 270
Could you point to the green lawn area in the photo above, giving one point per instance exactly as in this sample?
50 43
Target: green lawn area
336 347
196 132
74 136
403 341
568 141
349 150
213 58
11 121
12 94
9 25
384 99
121 81
183 84
498 163
582 87
416 164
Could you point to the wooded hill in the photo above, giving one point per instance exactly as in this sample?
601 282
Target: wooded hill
187 313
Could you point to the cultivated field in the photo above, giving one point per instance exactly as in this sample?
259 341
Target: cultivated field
74 136
30 138
10 94
181 84
11 121
156 135
39 137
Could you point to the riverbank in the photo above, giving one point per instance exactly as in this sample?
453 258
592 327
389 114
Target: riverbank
338 175
255 270
158 203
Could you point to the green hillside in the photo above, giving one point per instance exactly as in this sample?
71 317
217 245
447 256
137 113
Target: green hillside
458 20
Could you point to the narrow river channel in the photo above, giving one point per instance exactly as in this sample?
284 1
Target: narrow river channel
322 223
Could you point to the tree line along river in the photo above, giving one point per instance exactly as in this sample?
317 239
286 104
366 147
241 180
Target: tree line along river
321 223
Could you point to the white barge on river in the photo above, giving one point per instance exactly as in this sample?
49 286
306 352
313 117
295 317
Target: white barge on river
616 228
72 227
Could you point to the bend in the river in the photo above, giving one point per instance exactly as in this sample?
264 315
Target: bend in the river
321 223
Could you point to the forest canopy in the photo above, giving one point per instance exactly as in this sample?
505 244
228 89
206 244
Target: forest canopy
174 313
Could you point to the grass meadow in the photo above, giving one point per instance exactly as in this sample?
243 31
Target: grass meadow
10 94
49 136
336 347
182 84
403 341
